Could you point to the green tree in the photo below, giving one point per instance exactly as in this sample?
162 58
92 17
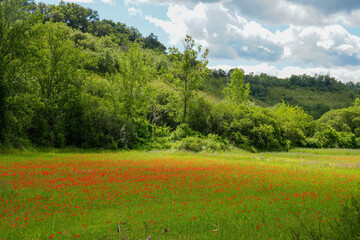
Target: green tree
72 14
56 68
187 71
132 96
132 82
15 22
295 124
357 102
237 92
152 42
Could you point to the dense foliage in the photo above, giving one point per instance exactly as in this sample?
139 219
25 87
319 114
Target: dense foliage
68 78
315 94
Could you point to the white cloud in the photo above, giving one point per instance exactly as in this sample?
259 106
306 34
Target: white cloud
225 33
331 6
322 46
179 19
297 12
231 36
134 12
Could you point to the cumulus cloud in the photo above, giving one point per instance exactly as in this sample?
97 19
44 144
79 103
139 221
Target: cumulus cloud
331 6
180 19
226 34
316 42
231 36
297 12
328 46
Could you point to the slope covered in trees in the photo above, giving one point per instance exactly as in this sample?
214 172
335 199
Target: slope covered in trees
315 94
68 78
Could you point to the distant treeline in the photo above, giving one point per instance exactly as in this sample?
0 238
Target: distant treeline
68 78
315 94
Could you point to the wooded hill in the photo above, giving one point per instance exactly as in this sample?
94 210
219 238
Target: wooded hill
68 78
315 94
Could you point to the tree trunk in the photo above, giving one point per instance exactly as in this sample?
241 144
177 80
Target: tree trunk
185 100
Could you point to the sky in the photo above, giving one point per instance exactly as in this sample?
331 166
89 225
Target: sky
277 37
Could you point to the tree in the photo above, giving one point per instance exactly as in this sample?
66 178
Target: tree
131 81
74 15
152 42
56 69
237 92
295 123
357 102
187 71
132 96
15 22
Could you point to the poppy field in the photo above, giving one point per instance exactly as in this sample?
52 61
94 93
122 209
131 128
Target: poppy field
164 195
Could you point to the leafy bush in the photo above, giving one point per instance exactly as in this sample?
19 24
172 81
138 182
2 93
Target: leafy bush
192 143
183 131
135 133
328 138
264 137
198 143
216 143
347 140
161 131
313 143
199 116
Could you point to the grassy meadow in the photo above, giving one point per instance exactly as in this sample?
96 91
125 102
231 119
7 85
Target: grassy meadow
301 194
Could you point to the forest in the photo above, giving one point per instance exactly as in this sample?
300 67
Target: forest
68 78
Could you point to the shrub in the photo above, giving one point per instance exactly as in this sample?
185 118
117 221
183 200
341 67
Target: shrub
263 137
328 138
347 140
199 116
162 131
198 143
183 131
313 143
192 143
135 133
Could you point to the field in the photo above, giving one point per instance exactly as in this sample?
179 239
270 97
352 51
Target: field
305 194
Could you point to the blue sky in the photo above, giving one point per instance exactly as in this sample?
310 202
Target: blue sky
278 37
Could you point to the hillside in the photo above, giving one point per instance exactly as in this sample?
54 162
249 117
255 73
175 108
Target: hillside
316 95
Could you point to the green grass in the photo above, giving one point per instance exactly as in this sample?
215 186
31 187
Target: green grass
175 195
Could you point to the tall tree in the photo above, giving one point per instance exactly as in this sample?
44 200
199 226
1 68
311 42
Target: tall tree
131 94
237 92
74 15
56 69
187 71
15 22
152 42
132 80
